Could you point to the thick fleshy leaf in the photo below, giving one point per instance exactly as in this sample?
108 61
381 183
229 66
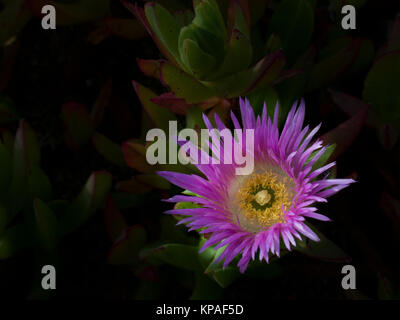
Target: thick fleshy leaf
171 102
183 85
345 134
267 95
266 71
323 159
194 118
26 157
46 224
293 21
324 249
108 149
160 116
178 255
352 105
7 111
257 77
381 90
238 56
171 232
331 67
205 288
198 62
224 277
125 250
150 68
90 199
39 184
78 124
12 240
135 157
208 17
72 12
164 26
238 17
141 16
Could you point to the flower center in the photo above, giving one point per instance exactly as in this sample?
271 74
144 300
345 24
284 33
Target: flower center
262 197
258 200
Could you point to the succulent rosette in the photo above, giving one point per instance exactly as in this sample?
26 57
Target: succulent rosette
250 214
209 56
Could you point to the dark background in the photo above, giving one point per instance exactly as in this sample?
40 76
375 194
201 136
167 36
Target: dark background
55 66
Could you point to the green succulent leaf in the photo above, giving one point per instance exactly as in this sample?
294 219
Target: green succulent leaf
125 250
164 26
183 85
178 255
257 77
324 249
224 277
198 62
26 157
194 118
267 96
331 67
150 68
381 90
205 288
46 224
135 157
324 158
159 116
90 199
108 149
39 184
238 56
208 17
293 21
238 19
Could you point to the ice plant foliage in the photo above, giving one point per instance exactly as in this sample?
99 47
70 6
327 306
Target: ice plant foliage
252 213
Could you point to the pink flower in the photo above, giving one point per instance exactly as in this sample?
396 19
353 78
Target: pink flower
250 214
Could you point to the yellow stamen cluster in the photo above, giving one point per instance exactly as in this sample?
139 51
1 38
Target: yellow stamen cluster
258 199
